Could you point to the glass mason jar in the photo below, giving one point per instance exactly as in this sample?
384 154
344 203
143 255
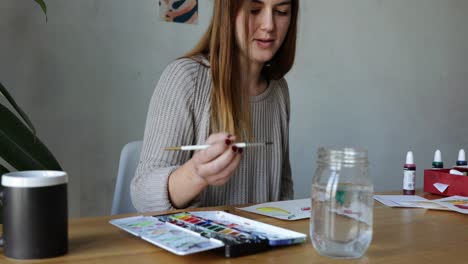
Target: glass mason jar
342 203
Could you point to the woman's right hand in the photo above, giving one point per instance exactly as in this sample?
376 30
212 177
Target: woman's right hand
216 164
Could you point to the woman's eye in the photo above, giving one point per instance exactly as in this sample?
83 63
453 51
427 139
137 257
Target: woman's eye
254 11
281 12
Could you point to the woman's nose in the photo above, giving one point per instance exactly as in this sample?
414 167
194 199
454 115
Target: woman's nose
267 21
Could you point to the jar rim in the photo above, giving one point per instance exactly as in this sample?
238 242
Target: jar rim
346 155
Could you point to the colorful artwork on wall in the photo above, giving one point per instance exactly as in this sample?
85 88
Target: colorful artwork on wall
180 11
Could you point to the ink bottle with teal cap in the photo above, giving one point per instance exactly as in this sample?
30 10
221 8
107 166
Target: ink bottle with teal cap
437 163
409 175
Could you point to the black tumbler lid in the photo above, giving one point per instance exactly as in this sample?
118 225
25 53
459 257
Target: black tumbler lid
37 178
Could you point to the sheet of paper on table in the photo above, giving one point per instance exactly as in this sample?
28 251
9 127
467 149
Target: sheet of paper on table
411 201
286 210
454 203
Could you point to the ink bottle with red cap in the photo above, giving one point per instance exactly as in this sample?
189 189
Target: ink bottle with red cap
409 175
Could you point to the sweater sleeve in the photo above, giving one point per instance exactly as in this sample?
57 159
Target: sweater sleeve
169 123
287 187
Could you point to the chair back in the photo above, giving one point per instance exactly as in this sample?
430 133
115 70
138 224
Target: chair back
129 158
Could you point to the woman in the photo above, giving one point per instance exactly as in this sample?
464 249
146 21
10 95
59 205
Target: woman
229 88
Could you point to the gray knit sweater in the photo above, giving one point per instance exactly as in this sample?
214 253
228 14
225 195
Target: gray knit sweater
179 114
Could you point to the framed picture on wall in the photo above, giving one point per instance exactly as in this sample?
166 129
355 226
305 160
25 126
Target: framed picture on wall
180 11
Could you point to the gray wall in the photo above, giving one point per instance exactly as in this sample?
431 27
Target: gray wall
387 76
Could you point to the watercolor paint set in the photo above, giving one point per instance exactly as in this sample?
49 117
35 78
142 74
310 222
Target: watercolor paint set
191 232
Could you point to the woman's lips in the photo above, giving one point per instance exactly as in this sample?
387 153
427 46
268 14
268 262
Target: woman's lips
264 43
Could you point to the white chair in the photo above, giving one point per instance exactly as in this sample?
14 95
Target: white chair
129 158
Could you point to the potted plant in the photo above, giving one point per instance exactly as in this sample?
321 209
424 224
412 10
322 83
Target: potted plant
19 145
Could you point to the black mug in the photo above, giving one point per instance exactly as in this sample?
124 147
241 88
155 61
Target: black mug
35 214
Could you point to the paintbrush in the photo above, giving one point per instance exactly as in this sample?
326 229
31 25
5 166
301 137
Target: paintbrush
238 145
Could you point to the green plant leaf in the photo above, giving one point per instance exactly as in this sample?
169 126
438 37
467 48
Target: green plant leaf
10 99
43 7
20 148
3 170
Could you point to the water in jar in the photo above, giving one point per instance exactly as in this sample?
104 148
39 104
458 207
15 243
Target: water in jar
341 222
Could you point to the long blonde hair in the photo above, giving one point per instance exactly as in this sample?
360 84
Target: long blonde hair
230 109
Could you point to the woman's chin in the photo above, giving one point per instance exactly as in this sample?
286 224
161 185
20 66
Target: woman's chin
262 59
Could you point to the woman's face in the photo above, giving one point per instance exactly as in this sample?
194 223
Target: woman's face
268 25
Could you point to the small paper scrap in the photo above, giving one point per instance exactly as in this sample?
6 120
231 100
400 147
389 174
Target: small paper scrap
441 187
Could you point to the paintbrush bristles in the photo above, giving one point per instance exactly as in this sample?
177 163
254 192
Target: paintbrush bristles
258 144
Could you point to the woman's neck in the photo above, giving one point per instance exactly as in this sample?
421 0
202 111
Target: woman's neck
252 78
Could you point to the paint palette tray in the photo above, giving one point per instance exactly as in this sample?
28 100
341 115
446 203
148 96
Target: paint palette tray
191 232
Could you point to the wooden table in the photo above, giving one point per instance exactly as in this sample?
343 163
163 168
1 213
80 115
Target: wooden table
400 236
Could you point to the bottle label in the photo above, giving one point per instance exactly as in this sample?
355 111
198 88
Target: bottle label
408 179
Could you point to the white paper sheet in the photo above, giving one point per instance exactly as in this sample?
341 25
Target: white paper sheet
412 201
286 210
455 203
